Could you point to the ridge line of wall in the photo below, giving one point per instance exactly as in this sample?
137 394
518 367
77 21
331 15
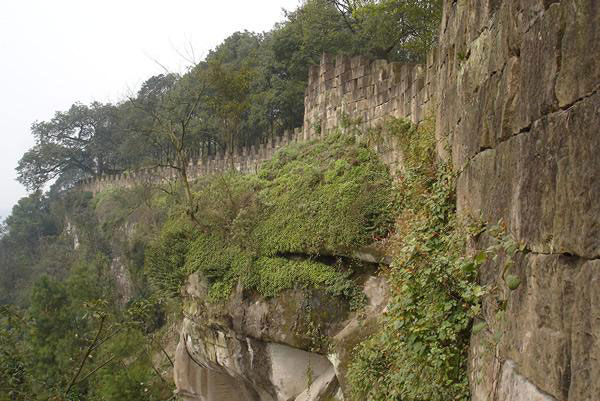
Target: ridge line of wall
339 89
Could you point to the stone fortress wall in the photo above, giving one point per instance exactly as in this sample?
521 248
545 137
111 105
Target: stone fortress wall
340 88
366 92
518 94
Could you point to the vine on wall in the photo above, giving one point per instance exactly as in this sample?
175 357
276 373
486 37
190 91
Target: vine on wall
420 351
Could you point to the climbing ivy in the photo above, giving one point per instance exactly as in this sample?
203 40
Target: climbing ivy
420 351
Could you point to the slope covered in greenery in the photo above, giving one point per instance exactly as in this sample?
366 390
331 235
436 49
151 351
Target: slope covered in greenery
88 287
326 197
420 347
265 231
77 333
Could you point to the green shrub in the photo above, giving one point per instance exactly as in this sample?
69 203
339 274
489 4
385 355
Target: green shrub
420 351
326 196
166 255
274 275
329 196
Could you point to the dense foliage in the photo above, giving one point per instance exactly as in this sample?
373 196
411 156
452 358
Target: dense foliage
28 232
246 90
83 334
420 350
73 337
268 230
85 283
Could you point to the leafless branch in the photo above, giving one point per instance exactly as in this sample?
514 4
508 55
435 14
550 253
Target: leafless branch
86 356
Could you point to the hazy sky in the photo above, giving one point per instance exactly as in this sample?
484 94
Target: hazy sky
56 52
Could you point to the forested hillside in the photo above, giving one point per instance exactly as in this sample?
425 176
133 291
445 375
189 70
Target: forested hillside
89 286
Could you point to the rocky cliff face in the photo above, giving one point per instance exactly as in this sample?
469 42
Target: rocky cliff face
291 347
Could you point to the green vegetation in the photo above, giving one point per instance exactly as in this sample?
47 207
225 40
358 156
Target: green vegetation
87 285
329 196
85 335
266 231
27 233
74 338
420 350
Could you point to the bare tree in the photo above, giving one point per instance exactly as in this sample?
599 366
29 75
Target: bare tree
170 106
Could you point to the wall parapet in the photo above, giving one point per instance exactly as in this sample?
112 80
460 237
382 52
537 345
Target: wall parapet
366 92
339 89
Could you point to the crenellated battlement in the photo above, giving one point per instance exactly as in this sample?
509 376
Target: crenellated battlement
366 92
339 89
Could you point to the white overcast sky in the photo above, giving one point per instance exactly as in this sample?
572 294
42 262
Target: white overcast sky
56 52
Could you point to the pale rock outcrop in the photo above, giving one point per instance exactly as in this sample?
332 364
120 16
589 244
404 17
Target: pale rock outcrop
239 348
513 386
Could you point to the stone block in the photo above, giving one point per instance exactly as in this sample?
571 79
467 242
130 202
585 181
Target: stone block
359 94
579 73
549 336
515 387
328 75
346 77
477 18
359 61
539 57
313 74
323 387
544 183
527 12
359 71
473 71
361 82
499 39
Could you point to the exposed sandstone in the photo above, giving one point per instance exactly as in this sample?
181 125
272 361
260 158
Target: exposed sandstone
265 349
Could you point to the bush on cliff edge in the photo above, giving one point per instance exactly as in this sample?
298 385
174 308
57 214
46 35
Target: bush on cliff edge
420 350
268 230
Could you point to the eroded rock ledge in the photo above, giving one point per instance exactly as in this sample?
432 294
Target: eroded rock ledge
291 347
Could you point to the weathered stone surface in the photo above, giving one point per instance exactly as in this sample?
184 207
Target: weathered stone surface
539 58
585 335
518 103
283 319
579 72
195 381
219 366
293 370
323 388
245 348
359 327
515 387
550 330
545 183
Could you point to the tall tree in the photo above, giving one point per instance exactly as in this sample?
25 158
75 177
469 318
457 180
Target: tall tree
230 99
27 231
169 108
393 29
74 144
